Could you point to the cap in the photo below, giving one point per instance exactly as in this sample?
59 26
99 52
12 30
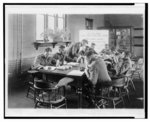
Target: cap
48 49
61 46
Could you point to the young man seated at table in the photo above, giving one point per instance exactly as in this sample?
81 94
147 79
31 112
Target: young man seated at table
93 48
128 57
43 59
123 66
59 57
81 58
96 70
114 50
106 50
84 44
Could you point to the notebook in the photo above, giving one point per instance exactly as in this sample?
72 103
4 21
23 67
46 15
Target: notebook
76 73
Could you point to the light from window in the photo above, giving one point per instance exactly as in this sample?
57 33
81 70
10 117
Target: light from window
60 23
60 15
51 22
39 26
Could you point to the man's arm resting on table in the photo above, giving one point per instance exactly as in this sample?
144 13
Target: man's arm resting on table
37 64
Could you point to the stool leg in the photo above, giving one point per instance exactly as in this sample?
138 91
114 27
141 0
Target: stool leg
120 95
123 101
34 96
128 95
66 102
51 106
127 91
132 84
114 105
36 104
28 92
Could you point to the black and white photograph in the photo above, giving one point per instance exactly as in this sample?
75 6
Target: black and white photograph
75 60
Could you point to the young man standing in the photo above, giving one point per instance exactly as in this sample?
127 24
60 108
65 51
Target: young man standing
93 48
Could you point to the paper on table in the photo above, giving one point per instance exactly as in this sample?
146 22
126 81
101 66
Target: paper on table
73 63
51 68
75 73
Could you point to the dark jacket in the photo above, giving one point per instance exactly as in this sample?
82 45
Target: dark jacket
58 56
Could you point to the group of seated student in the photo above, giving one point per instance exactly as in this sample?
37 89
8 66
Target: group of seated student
49 59
98 67
118 63
72 54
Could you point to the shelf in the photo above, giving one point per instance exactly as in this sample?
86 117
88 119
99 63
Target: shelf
46 44
137 36
138 45
138 28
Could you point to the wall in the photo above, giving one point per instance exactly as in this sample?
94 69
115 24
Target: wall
125 20
77 22
128 20
14 42
20 40
21 52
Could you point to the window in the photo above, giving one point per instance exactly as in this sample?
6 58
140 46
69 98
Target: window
39 26
60 22
47 21
89 24
51 22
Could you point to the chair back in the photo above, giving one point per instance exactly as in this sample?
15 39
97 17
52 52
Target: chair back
140 63
118 82
49 94
39 84
103 84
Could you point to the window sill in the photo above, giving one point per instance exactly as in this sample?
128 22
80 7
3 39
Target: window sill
46 44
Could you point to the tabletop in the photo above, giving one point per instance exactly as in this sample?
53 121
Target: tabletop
74 71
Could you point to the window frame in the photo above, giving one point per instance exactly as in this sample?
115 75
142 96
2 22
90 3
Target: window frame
56 23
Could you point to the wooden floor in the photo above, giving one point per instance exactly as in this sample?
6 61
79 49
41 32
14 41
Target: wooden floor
17 98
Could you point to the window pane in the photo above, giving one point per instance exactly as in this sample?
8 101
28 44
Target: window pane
60 23
39 26
60 15
51 22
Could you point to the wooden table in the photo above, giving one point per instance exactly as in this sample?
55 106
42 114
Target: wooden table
78 78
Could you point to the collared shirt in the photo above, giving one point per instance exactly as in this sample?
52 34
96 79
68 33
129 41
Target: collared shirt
70 57
106 51
58 56
123 67
41 60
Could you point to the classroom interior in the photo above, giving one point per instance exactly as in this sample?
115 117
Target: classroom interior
23 45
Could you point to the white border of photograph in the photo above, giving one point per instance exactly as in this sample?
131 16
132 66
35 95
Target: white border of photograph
89 9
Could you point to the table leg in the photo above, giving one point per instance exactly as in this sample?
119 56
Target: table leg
44 77
80 82
79 92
